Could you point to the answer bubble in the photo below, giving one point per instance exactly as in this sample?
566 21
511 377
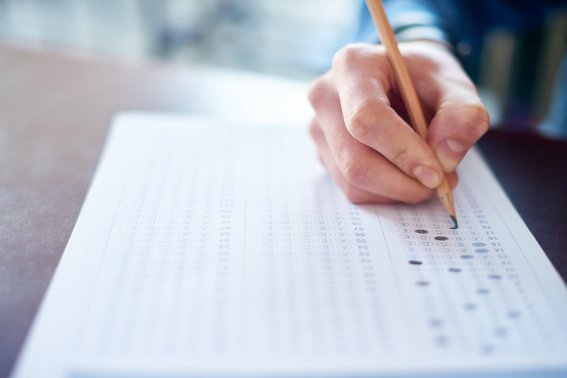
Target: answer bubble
483 290
420 231
422 283
441 238
467 257
441 341
436 323
494 276
482 250
478 244
454 270
415 262
470 306
501 331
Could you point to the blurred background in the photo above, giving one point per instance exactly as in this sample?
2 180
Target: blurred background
293 38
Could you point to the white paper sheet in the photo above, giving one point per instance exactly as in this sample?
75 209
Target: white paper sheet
211 249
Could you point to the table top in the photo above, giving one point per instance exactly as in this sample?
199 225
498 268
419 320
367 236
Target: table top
55 109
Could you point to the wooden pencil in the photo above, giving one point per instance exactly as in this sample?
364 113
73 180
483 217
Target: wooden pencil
408 92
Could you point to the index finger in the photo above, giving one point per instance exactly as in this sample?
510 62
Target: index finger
363 78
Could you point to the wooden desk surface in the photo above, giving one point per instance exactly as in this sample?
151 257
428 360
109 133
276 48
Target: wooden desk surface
55 109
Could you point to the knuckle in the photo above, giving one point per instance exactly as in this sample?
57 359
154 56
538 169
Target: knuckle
354 172
402 156
475 120
315 93
360 120
363 57
348 55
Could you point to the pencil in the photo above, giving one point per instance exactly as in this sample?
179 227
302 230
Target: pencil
409 95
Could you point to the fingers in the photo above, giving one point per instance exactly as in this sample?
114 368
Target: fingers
353 194
363 79
354 165
460 118
369 150
458 124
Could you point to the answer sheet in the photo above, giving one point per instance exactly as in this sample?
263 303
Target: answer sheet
206 248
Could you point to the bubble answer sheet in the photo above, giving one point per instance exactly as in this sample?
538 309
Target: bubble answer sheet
211 249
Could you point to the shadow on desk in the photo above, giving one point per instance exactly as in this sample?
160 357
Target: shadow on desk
533 172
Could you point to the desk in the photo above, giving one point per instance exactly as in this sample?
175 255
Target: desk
55 108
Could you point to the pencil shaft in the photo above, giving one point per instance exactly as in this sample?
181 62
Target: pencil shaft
407 90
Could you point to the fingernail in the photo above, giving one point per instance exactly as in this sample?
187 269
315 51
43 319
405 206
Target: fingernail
427 176
449 153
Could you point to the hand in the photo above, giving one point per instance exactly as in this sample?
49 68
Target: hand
361 129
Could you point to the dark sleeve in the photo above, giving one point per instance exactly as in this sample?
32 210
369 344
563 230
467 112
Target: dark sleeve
461 24
454 21
410 19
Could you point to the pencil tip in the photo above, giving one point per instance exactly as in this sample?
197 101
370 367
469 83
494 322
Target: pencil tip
456 224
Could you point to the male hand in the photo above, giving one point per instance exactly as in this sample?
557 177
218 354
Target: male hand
362 132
